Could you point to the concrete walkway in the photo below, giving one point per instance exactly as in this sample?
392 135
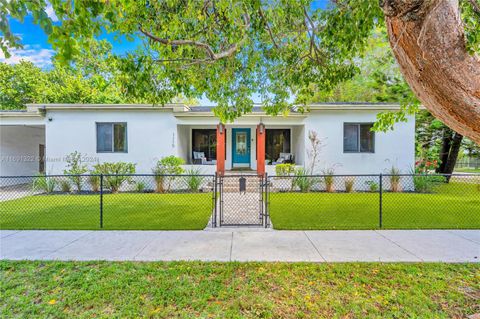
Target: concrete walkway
244 245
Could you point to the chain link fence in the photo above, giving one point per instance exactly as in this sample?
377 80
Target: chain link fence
106 201
195 201
375 201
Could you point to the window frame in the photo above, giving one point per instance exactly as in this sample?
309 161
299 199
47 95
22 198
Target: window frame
113 137
359 148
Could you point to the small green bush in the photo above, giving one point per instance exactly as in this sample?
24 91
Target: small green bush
373 186
116 174
194 180
140 187
426 183
286 169
94 181
65 186
303 182
44 183
75 167
349 182
170 165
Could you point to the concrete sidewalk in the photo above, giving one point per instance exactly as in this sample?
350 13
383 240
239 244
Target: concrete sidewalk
244 245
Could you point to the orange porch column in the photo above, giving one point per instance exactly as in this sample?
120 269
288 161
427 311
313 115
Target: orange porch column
261 149
221 149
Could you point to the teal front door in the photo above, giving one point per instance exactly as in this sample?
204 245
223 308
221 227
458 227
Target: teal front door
241 146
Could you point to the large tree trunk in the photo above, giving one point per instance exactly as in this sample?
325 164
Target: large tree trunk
427 38
445 150
453 154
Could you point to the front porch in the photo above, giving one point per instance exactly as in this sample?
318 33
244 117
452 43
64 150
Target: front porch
241 147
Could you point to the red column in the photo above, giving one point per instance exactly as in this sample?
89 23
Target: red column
260 149
220 149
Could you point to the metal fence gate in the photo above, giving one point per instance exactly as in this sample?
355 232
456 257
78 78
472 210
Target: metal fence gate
241 200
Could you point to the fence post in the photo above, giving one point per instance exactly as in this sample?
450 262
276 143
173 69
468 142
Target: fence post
214 219
101 200
380 215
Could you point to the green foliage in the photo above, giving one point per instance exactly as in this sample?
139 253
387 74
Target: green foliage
75 167
44 183
427 183
169 165
286 169
349 183
194 180
94 181
115 174
302 180
394 176
65 186
373 186
140 187
276 49
329 180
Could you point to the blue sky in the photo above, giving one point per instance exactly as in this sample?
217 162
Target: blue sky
39 51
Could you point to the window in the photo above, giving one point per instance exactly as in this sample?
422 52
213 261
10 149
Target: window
205 141
358 138
277 141
111 137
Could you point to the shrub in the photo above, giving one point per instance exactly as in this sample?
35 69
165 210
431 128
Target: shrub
116 174
140 187
194 180
329 180
75 167
286 169
373 186
44 183
65 186
394 175
426 183
303 182
94 181
349 182
170 165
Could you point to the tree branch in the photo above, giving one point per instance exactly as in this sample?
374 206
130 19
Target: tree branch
475 5
260 11
207 48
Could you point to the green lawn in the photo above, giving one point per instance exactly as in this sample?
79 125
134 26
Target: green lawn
120 211
467 170
454 205
237 290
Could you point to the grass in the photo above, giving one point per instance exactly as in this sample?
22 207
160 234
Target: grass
454 205
237 290
467 170
120 211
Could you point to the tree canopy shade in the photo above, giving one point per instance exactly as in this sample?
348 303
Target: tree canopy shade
228 49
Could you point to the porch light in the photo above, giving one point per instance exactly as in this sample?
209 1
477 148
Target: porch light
261 127
220 128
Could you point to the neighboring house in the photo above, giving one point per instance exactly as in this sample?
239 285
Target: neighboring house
40 138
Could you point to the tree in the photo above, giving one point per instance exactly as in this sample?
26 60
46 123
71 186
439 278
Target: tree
231 49
428 40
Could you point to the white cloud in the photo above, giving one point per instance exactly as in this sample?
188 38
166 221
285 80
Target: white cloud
50 12
39 56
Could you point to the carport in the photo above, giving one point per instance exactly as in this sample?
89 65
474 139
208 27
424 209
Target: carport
22 145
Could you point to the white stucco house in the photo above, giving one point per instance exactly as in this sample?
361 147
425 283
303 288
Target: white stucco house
39 138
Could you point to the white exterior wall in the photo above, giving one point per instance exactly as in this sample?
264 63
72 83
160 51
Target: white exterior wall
19 149
158 133
150 136
395 147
